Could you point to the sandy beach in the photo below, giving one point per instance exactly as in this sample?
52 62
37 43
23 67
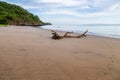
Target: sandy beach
28 53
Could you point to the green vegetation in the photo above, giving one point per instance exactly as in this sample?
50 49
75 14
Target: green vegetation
11 14
1 25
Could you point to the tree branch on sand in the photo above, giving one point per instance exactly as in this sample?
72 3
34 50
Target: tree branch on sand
57 36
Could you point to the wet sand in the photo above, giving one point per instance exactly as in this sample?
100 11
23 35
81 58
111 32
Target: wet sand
28 53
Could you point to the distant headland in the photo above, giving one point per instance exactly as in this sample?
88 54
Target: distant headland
11 14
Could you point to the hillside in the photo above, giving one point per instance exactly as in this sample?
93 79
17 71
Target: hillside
11 14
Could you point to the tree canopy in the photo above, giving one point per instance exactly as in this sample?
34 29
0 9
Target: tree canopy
11 14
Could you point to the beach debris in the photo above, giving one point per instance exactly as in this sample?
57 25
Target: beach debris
56 36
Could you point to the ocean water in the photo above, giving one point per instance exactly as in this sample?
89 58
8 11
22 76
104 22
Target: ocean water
101 30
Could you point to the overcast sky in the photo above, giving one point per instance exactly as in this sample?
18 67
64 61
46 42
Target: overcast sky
73 11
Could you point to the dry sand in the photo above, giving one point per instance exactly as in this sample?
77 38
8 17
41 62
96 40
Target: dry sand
28 53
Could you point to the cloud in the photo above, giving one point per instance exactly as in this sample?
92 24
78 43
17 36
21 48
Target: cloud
80 8
115 7
64 2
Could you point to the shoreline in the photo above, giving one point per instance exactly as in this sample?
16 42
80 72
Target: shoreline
92 30
89 33
29 53
61 32
80 33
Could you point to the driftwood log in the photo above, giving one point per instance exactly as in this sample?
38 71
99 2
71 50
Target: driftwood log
57 36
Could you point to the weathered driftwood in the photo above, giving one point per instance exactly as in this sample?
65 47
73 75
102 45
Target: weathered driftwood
57 36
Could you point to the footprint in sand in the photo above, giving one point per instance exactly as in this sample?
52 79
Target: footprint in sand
23 49
5 71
